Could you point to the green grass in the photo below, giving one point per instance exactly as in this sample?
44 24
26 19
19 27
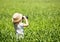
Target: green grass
44 20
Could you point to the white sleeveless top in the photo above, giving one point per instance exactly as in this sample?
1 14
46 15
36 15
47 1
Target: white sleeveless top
19 28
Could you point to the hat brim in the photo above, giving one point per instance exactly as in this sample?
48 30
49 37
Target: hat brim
16 20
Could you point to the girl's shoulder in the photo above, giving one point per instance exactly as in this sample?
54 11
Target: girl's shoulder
21 24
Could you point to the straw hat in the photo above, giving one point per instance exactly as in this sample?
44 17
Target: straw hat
17 17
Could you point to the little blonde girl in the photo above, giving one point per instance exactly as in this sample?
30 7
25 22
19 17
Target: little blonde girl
18 25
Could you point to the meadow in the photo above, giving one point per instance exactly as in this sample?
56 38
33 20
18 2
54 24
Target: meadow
43 16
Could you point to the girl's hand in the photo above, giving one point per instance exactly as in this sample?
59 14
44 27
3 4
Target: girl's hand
25 24
24 17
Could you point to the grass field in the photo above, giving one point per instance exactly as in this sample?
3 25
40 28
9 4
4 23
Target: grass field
44 20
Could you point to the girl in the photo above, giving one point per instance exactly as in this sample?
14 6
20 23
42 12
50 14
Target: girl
18 25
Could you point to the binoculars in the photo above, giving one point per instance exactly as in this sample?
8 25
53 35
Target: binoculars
25 16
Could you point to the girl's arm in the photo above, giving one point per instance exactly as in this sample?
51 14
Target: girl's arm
25 24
